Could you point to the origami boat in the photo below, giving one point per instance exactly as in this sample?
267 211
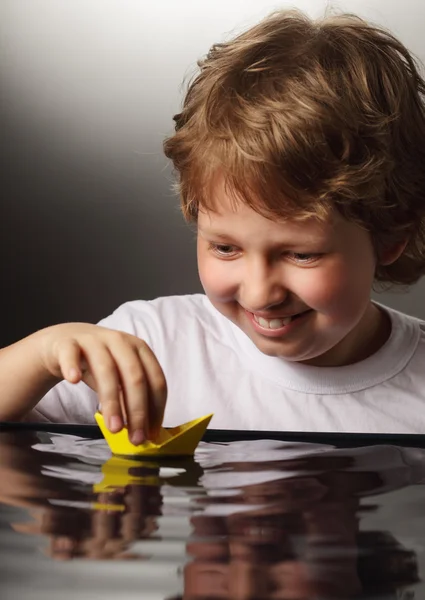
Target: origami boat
175 441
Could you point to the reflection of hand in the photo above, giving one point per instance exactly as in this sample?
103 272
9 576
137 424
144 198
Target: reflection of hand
23 485
103 533
74 531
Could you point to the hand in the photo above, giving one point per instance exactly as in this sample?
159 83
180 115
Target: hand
120 367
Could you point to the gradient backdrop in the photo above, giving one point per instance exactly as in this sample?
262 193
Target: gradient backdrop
87 93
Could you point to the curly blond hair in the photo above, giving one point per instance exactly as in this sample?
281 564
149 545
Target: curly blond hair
303 116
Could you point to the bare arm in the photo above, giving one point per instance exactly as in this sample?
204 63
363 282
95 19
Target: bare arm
24 379
120 367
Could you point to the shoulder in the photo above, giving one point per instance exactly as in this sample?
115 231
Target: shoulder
168 307
164 316
407 340
401 320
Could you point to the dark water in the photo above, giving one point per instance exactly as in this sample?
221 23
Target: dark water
242 520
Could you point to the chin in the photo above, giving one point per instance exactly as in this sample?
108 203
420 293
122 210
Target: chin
273 350
270 349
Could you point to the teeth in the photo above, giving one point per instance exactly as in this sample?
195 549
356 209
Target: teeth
272 323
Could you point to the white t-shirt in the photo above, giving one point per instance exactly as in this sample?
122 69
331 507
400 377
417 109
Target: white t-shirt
211 366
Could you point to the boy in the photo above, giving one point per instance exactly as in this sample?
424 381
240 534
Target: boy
300 151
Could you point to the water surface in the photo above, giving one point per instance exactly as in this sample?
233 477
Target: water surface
241 520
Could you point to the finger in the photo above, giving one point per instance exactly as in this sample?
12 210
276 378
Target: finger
88 379
69 360
157 387
106 379
135 390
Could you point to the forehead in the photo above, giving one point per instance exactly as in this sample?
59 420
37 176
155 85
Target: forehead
233 218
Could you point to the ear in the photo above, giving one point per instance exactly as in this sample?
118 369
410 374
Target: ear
389 254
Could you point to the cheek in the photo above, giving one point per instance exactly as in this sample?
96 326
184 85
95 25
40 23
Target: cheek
341 288
217 279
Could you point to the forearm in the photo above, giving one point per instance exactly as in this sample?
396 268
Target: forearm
24 380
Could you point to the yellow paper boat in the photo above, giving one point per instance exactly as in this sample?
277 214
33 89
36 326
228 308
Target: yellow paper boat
176 441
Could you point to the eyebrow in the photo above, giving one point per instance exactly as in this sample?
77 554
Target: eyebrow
215 234
289 243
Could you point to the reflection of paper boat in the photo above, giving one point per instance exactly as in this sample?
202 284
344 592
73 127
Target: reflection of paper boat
120 471
117 474
176 441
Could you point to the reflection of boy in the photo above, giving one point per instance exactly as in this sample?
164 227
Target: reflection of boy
300 151
299 537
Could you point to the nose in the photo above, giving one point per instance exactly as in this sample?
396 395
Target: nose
262 287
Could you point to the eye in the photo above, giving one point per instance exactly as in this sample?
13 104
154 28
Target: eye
303 257
222 249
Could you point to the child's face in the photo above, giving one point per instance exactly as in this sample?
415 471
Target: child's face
258 272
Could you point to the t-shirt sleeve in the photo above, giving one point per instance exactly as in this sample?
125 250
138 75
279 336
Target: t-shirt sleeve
76 403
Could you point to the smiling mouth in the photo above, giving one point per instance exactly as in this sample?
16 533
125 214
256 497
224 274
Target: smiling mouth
276 323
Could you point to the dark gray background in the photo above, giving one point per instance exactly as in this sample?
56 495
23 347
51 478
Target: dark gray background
87 93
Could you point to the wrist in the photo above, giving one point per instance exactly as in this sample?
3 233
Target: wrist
39 349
